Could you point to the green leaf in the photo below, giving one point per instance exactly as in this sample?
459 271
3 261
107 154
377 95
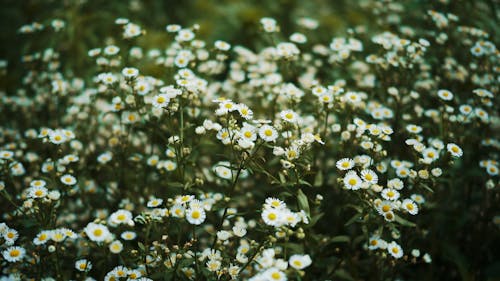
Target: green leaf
303 202
426 187
404 222
341 239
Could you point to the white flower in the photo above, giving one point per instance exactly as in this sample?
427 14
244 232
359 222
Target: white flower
161 101
57 137
130 72
111 50
454 150
120 217
345 164
37 192
68 179
154 202
268 133
221 45
289 116
195 215
369 176
42 237
445 95
97 232
410 206
128 235
274 274
116 247
352 181
83 265
395 250
221 170
300 261
390 194
184 35
273 217
14 254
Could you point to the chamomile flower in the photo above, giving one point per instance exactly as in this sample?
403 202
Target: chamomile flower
274 203
395 250
268 133
195 215
352 181
97 232
10 236
369 176
345 164
300 261
221 45
68 180
410 206
116 247
154 202
42 237
274 274
390 194
445 95
120 217
14 254
128 235
454 150
83 265
161 101
272 217
37 192
289 116
130 72
57 137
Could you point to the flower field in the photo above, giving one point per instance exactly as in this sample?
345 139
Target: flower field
250 140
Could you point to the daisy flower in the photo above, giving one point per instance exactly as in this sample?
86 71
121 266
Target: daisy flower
130 72
272 217
410 206
120 217
83 265
454 150
445 95
116 247
195 215
154 202
395 250
68 179
37 192
161 101
275 274
300 261
268 133
288 116
97 232
245 111
352 181
57 137
42 237
14 254
369 176
345 164
128 235
390 194
274 203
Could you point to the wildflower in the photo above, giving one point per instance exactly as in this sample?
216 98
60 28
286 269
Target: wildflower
57 137
352 181
300 261
454 150
445 95
130 72
272 217
42 237
128 235
14 254
68 179
369 176
345 164
37 192
395 250
275 274
221 45
121 217
195 215
274 203
111 50
390 194
410 206
10 236
154 202
97 232
83 265
289 116
116 247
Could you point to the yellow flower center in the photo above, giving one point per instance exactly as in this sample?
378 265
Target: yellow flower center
98 232
275 275
386 208
15 253
195 215
160 99
352 181
271 216
248 134
268 132
289 115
